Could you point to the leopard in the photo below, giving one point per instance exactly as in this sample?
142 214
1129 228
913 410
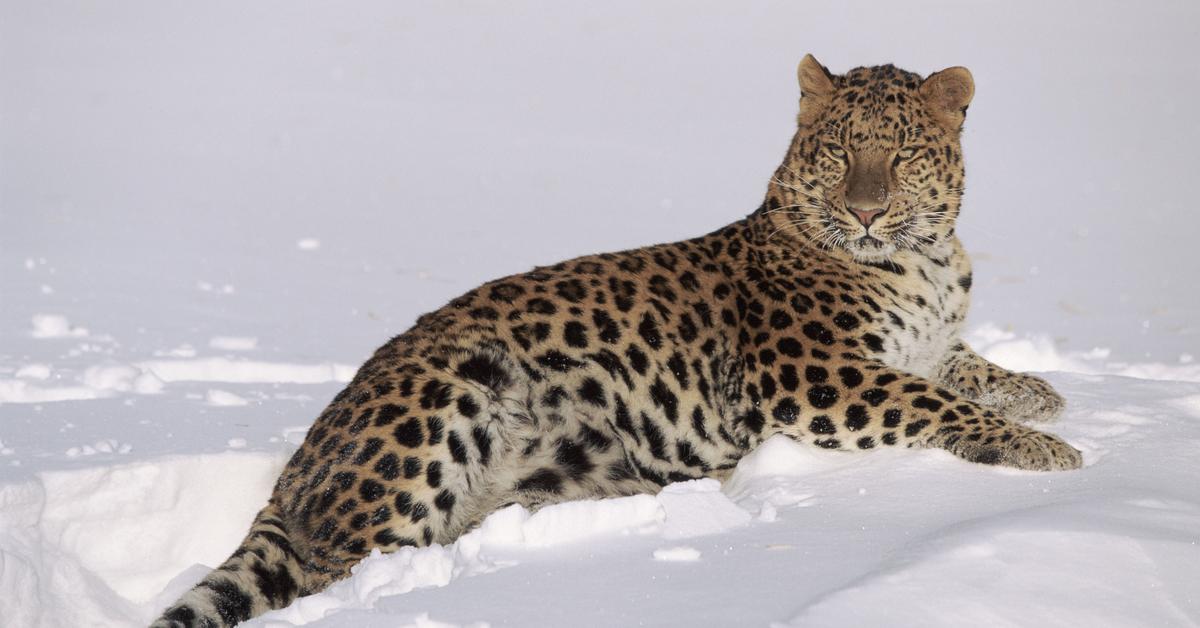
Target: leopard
832 314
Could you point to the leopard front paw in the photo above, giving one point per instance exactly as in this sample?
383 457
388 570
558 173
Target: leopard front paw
1039 451
1024 397
1033 451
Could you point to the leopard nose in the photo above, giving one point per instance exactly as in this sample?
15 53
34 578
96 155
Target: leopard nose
866 216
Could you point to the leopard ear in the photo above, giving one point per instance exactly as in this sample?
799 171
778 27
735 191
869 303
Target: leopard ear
947 94
816 89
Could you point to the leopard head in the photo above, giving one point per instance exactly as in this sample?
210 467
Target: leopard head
876 164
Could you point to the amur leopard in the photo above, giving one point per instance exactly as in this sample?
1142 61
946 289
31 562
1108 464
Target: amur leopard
831 314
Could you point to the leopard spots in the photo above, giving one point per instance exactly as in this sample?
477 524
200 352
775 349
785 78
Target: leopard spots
409 433
790 347
575 335
850 376
786 411
388 467
648 330
822 397
821 424
615 374
506 292
846 321
571 290
592 391
606 328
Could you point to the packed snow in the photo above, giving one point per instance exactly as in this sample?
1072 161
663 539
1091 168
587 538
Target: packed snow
208 220
797 537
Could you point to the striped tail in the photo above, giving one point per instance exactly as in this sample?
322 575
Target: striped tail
264 573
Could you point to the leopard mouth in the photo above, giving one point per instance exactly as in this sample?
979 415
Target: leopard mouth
869 242
868 247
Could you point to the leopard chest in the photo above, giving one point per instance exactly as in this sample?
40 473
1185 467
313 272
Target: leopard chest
923 311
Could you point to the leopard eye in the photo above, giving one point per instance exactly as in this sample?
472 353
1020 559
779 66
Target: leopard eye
906 153
836 151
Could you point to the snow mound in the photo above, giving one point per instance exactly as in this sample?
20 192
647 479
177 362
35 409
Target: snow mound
55 326
699 508
247 371
92 546
34 371
150 377
677 554
115 544
575 521
683 509
223 398
1038 353
122 378
20 391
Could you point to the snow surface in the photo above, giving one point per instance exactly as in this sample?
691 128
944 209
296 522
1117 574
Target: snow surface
210 215
797 537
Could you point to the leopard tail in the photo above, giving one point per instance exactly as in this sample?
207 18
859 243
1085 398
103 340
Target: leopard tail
264 573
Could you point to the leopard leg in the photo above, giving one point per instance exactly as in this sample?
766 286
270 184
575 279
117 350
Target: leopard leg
1019 396
863 404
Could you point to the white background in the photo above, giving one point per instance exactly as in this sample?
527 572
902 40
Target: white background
211 212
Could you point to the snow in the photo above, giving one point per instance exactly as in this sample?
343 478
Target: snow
698 508
678 554
1009 562
217 397
246 371
1037 352
1105 546
55 326
34 371
16 391
199 244
233 343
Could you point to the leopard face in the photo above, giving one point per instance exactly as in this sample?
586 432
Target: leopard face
876 165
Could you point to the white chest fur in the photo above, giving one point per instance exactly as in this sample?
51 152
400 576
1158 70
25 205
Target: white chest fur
925 318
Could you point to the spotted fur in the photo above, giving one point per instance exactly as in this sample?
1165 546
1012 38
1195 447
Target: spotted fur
831 315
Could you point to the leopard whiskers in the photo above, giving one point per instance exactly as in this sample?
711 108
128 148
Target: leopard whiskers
786 226
805 192
813 219
801 230
790 209
816 231
799 177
